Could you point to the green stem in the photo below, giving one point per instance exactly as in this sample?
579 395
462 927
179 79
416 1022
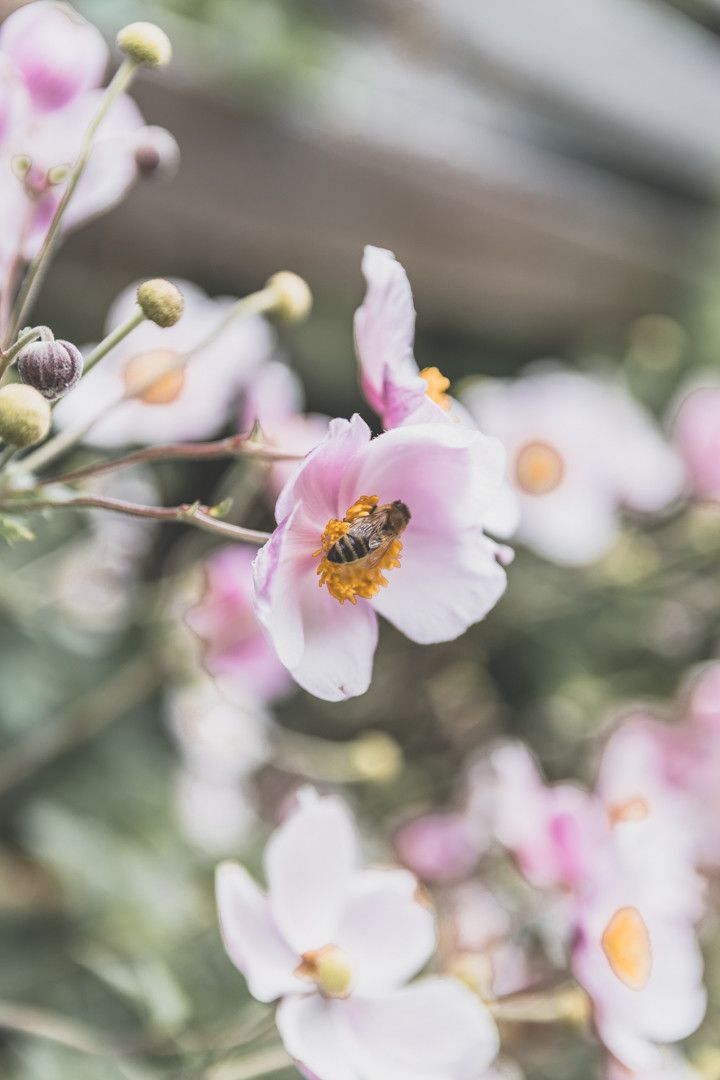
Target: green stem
113 339
255 304
38 267
264 1063
7 357
6 456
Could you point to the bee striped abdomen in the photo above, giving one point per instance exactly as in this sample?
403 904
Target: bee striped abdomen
349 548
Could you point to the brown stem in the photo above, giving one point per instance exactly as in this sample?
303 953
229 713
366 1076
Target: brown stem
233 446
186 514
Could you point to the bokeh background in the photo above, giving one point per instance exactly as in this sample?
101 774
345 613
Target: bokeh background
548 175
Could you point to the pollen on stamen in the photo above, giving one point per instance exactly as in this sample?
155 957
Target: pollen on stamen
364 578
539 468
626 944
155 378
635 809
437 387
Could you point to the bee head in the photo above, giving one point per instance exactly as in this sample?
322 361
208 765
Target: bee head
400 514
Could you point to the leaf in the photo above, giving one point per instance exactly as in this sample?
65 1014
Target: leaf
13 530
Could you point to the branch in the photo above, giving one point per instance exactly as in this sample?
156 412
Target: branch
186 514
233 446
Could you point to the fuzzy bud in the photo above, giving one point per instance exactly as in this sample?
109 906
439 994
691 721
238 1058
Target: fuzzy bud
293 297
161 301
51 367
156 152
145 43
24 415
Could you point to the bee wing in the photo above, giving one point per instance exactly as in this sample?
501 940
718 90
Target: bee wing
369 529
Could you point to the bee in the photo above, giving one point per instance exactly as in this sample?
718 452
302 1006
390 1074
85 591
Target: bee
371 535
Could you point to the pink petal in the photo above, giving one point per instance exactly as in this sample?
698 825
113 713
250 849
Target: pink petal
317 481
384 324
387 933
251 939
58 53
436 1029
309 863
310 1035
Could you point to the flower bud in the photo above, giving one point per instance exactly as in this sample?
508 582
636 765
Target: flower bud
24 415
161 301
156 151
376 757
52 367
293 297
145 43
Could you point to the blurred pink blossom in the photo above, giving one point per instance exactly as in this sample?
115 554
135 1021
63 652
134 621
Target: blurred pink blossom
192 403
338 945
275 399
448 577
58 54
579 449
236 648
670 1066
437 846
696 434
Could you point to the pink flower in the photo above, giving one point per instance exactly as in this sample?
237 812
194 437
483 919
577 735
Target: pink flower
190 399
442 575
58 54
553 832
391 381
670 1066
696 434
579 449
338 944
275 399
437 846
236 648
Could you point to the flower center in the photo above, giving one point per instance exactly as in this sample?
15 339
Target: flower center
329 968
154 377
356 550
539 468
626 944
437 387
635 809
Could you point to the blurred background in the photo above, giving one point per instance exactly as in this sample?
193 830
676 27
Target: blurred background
548 175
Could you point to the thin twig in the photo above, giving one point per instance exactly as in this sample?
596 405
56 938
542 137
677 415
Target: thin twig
264 1063
233 446
185 514
28 1020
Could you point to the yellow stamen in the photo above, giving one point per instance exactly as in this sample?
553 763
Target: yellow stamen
437 387
154 377
626 944
329 968
539 468
364 577
635 809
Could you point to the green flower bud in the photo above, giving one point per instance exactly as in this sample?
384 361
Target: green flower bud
145 43
161 301
24 415
293 297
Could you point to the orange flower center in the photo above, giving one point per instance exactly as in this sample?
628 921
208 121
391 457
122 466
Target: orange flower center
437 387
539 468
635 809
155 377
361 576
626 944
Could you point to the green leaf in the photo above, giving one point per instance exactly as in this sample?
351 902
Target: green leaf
13 530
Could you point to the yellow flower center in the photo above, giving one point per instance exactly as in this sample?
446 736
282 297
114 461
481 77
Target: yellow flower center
329 968
539 468
635 809
437 387
626 944
155 377
363 576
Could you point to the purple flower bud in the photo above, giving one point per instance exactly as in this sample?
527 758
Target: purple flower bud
51 367
58 54
156 151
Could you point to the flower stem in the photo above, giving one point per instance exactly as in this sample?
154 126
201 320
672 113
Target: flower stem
233 446
6 456
7 357
564 1004
254 304
38 267
113 339
264 1063
186 514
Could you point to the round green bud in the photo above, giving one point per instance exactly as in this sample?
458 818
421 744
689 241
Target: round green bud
293 299
24 415
161 301
145 43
